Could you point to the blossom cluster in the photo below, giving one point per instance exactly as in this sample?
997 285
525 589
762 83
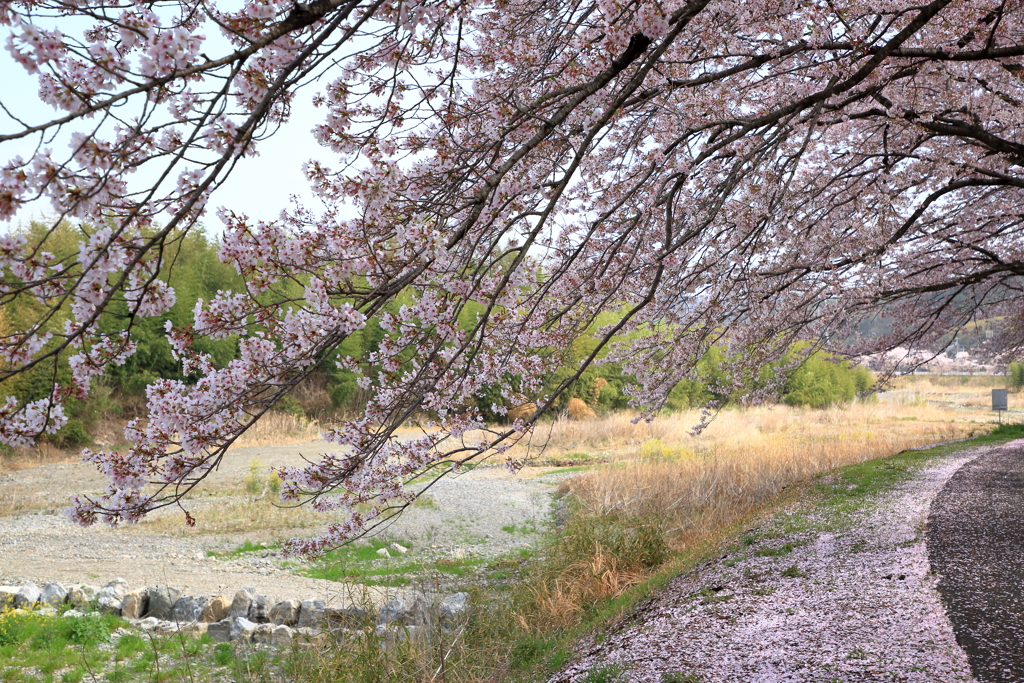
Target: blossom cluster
509 183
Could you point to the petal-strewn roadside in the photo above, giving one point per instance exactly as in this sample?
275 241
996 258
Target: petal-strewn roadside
815 594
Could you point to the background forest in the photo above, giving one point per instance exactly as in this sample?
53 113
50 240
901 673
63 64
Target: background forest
192 267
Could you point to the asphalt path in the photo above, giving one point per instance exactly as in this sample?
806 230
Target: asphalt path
976 547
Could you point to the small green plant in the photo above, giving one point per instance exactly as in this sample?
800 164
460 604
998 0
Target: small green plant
607 673
793 572
223 654
679 677
258 482
87 629
784 549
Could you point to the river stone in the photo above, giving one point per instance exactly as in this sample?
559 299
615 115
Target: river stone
345 617
286 612
281 635
194 629
242 628
111 596
149 624
135 604
219 632
259 611
240 604
393 610
27 596
453 608
311 613
419 613
187 609
216 609
53 595
261 635
81 596
161 602
165 628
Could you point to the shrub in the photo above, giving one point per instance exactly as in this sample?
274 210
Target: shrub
72 435
578 410
821 382
1016 372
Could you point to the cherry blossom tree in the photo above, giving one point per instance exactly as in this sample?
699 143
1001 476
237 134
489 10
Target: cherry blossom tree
740 173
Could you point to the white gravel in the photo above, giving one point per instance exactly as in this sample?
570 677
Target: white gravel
864 607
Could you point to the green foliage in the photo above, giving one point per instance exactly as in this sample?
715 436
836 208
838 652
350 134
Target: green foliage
342 387
290 406
192 267
821 382
72 435
1016 372
86 629
687 394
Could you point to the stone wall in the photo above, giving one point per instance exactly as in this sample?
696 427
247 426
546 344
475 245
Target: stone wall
245 616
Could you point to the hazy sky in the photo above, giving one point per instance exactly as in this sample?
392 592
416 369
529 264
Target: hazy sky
260 186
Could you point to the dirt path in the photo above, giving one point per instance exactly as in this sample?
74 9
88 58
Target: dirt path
471 513
816 594
976 545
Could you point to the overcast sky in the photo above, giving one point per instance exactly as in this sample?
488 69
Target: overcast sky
260 186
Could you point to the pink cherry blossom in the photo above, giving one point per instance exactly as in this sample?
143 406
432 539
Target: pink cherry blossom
739 175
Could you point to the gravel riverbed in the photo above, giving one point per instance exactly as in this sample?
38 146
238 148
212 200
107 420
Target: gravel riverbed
466 515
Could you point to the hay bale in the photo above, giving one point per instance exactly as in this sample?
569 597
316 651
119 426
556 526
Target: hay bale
521 411
578 410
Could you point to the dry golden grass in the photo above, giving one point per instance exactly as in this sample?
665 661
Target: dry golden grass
966 392
278 429
24 457
699 485
616 435
16 500
234 515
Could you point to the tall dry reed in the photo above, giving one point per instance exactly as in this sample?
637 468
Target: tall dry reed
277 429
699 485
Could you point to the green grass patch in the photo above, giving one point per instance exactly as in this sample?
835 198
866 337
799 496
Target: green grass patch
53 648
528 527
362 564
246 548
779 551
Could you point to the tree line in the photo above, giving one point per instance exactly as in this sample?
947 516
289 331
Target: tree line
194 270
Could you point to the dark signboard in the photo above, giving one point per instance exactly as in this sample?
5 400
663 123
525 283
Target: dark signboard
999 399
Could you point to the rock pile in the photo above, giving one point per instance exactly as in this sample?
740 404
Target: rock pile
246 616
